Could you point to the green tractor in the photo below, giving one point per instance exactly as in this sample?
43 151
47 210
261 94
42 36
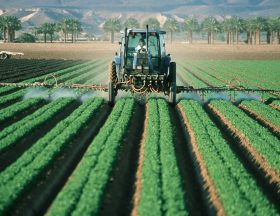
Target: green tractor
143 65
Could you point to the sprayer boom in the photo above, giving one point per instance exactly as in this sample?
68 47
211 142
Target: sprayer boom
60 85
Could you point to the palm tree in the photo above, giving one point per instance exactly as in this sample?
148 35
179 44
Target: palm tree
1 25
171 25
250 26
152 22
237 27
75 27
12 24
260 24
52 28
131 23
63 25
226 27
191 25
273 26
47 28
43 29
210 25
112 25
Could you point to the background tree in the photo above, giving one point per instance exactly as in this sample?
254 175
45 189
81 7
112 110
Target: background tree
131 23
2 26
47 29
250 28
273 28
227 27
190 25
75 27
260 24
112 25
237 26
10 25
171 25
210 25
63 25
152 22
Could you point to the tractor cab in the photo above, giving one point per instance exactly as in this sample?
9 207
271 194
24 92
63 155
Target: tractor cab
142 52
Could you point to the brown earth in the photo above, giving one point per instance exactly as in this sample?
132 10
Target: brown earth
106 50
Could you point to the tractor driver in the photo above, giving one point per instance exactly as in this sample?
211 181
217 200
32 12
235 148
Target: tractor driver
140 48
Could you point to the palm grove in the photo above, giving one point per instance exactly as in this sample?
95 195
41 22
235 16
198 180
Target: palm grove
231 27
67 26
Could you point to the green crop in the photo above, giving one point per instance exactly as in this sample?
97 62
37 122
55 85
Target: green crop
15 179
237 189
83 194
161 190
260 138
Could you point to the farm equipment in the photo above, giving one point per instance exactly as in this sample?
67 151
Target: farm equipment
143 67
7 54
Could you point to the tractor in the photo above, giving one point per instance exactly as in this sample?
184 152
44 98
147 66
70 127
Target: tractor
144 66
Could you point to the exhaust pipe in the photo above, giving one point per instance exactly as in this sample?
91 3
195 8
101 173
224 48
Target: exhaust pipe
147 31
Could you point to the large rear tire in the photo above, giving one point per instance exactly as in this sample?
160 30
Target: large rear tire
172 94
113 72
112 81
172 72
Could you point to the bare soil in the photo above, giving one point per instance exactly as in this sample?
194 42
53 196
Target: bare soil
106 50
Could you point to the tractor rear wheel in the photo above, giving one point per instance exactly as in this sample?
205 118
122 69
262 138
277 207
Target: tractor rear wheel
111 85
172 72
112 72
111 93
172 83
172 94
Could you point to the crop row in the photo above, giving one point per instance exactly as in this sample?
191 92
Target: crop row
161 187
261 147
36 70
265 114
20 175
237 191
248 76
59 73
85 190
12 111
10 135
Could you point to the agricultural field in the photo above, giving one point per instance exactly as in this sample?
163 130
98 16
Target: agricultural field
68 152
